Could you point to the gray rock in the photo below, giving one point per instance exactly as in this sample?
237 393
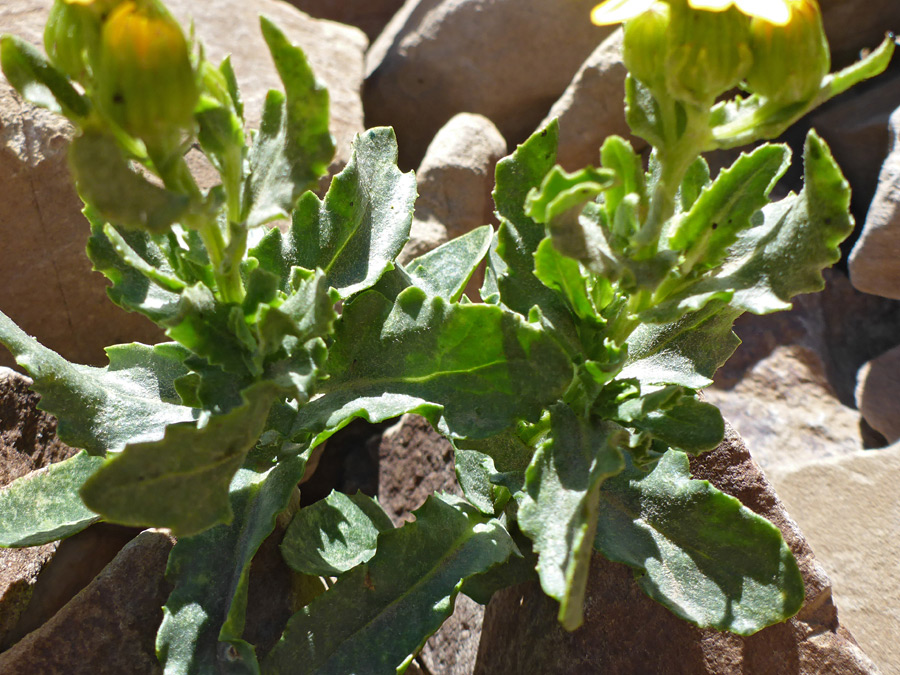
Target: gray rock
626 632
593 107
508 60
455 181
849 510
878 394
873 262
46 282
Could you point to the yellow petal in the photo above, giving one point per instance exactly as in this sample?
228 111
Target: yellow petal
777 12
712 5
617 11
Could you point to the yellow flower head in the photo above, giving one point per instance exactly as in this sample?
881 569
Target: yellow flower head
777 12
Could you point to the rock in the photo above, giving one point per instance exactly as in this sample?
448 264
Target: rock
455 181
46 283
849 509
370 16
787 411
414 462
110 626
873 267
626 632
508 60
593 107
878 394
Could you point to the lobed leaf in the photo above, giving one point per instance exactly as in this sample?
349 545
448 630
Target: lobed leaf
446 270
382 611
44 505
203 618
696 550
334 534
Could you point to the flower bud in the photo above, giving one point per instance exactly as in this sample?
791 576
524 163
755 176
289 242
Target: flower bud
789 61
72 30
709 52
644 46
146 82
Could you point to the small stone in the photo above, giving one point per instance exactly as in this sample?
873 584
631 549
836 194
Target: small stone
508 60
371 16
593 107
878 394
626 632
849 509
873 262
454 182
110 626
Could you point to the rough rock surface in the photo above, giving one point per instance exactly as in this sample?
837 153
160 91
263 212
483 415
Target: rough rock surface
787 411
27 442
455 181
116 616
414 462
873 263
46 282
850 510
369 15
592 107
626 632
878 394
508 60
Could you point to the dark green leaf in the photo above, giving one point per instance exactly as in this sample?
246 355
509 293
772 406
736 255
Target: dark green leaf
470 369
203 619
698 551
44 505
307 313
334 534
559 507
674 417
642 113
363 223
567 276
180 482
695 180
294 146
101 409
120 194
473 473
382 611
39 82
446 270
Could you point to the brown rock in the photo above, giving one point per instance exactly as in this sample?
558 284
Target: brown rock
849 509
110 626
416 461
593 107
455 181
46 283
873 267
371 15
851 26
508 60
626 632
878 394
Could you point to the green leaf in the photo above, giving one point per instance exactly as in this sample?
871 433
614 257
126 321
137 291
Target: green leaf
511 260
121 195
561 191
686 352
695 180
180 482
725 207
102 409
294 146
38 82
334 534
446 270
585 294
44 505
559 507
473 473
698 551
642 113
203 618
616 154
382 611
507 452
784 255
470 369
363 223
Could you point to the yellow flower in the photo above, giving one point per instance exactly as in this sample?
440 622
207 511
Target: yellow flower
777 12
